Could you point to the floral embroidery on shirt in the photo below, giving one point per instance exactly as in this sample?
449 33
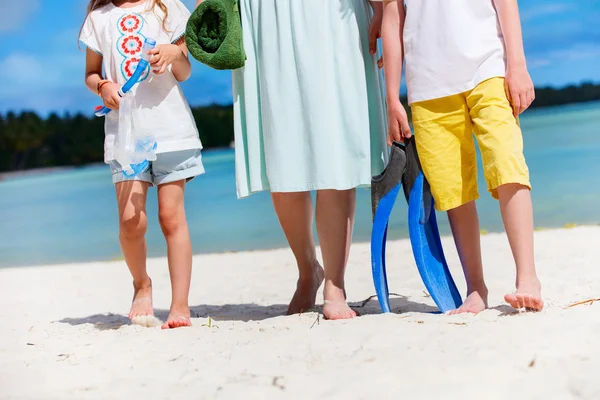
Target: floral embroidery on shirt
130 44
130 66
129 23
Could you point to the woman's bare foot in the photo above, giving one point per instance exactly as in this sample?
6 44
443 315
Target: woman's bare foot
178 318
475 303
335 306
338 310
141 306
527 296
305 296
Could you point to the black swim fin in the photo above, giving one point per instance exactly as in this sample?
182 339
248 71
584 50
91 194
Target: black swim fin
404 169
384 191
424 234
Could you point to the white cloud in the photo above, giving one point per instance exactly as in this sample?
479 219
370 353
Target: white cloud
44 102
538 62
579 52
576 53
21 69
547 9
25 73
66 40
52 81
14 13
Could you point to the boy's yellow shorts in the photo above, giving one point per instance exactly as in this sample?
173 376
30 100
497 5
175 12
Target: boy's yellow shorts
444 131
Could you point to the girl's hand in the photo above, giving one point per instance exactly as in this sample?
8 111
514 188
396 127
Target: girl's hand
519 89
375 31
164 55
110 95
398 128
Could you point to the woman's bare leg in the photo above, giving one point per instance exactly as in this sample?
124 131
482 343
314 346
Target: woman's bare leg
335 222
295 213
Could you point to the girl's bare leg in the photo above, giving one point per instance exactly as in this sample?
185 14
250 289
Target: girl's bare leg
173 222
131 199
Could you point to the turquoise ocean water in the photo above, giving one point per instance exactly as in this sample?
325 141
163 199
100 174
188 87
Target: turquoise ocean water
70 216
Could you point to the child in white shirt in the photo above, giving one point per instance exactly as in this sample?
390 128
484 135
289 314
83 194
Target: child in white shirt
113 33
466 74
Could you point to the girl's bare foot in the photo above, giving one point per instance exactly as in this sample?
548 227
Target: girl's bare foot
141 306
475 303
335 306
528 296
178 318
305 296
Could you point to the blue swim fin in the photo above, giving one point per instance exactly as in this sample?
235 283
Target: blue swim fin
425 236
384 191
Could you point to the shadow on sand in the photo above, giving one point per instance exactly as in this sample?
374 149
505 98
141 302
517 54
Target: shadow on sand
101 322
250 312
505 310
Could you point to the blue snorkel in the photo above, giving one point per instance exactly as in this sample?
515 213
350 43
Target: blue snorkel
133 149
149 44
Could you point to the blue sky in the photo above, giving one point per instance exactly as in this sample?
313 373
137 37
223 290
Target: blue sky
42 67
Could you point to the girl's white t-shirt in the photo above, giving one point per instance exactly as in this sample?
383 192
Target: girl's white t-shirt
117 34
450 46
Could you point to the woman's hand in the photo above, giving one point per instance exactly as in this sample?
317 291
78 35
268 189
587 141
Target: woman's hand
110 95
398 127
164 55
375 30
519 88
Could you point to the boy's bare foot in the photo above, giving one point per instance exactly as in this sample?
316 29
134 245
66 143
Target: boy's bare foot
527 296
335 306
141 306
305 296
475 303
178 318
176 321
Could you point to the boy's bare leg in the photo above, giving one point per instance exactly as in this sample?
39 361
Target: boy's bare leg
464 223
517 214
131 200
173 222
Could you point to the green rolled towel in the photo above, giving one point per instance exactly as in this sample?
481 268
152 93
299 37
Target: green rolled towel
214 34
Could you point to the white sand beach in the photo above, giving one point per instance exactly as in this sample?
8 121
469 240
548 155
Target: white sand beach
64 335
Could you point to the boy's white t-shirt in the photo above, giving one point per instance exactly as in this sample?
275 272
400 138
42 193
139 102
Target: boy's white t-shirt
118 35
450 46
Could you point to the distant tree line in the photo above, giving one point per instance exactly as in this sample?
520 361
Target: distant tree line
548 96
28 141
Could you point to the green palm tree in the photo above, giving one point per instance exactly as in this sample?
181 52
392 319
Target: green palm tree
23 134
